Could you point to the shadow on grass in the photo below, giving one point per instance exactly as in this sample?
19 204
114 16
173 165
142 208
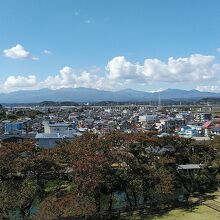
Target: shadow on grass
149 212
146 213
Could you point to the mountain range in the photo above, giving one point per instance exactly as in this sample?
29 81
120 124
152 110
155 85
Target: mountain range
94 95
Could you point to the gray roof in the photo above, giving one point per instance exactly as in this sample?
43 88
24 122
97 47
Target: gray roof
23 136
45 135
189 166
55 136
59 125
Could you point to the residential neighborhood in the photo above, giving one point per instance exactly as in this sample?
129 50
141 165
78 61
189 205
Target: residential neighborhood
49 125
110 110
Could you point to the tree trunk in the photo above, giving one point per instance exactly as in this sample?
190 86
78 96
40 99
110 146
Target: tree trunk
25 210
98 202
128 198
110 201
135 198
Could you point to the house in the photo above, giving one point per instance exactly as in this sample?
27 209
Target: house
184 115
210 125
196 126
61 128
125 126
215 131
203 116
187 131
170 124
56 132
148 118
46 140
13 127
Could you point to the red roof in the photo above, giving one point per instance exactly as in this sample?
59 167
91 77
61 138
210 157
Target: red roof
211 124
207 124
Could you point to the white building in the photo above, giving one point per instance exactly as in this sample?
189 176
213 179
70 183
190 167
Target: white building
55 132
63 129
148 118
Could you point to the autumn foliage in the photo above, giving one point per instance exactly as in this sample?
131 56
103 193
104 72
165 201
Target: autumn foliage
79 178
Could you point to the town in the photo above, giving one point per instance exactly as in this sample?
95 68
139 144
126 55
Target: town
47 125
110 110
105 161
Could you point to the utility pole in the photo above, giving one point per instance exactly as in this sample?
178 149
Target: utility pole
159 100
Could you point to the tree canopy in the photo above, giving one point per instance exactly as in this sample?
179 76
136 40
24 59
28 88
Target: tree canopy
81 177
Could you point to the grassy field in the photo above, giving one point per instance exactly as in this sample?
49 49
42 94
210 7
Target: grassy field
200 212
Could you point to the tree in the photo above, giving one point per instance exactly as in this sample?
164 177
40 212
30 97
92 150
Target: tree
17 189
71 179
24 172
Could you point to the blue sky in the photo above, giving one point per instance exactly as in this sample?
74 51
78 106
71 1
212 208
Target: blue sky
110 44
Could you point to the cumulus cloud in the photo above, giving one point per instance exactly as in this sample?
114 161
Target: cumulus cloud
194 68
122 73
20 82
119 67
209 88
64 80
68 78
18 52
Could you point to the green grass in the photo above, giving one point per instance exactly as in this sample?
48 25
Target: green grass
200 212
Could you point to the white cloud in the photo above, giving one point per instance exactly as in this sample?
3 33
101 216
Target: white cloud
64 80
20 82
18 52
218 50
47 52
209 88
157 90
68 78
194 68
119 67
121 73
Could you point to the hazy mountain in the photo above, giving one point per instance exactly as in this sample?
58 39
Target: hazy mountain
94 95
185 94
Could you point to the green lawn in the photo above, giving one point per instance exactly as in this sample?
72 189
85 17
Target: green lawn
200 212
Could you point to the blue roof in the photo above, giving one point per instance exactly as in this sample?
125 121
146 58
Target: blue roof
216 129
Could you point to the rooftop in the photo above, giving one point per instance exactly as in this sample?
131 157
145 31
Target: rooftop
189 166
45 135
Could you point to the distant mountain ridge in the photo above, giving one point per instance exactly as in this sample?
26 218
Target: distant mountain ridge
94 95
